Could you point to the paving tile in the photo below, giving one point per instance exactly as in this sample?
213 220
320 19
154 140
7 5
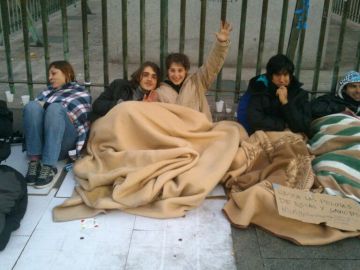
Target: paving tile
274 247
37 206
67 186
296 264
11 253
246 249
79 244
200 240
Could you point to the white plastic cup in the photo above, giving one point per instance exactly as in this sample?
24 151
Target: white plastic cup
219 105
9 96
25 99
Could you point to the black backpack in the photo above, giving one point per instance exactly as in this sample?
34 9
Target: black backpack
13 202
6 130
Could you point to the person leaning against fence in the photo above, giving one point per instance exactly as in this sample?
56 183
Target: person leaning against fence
142 86
346 98
275 100
54 123
189 90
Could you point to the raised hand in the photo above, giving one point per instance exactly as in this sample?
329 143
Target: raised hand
225 29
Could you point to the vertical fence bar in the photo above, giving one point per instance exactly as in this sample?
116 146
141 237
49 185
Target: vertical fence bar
240 49
43 6
339 46
283 25
27 47
6 36
294 33
182 25
302 26
105 41
11 11
64 22
320 47
85 37
262 36
124 38
219 76
163 35
142 31
357 64
16 21
202 32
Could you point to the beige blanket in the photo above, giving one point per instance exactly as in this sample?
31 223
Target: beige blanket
153 159
161 160
274 157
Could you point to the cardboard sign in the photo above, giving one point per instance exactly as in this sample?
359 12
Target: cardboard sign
334 211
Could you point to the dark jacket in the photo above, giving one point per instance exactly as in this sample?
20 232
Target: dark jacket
13 202
118 89
265 112
330 104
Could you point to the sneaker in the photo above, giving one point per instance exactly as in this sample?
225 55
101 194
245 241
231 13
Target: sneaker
33 172
46 176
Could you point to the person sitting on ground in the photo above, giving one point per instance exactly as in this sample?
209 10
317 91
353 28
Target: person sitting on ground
189 90
142 86
347 98
54 123
276 99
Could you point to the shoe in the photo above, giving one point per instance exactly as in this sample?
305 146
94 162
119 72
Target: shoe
46 176
32 172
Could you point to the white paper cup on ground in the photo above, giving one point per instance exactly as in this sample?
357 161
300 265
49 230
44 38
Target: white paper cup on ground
25 99
219 105
9 96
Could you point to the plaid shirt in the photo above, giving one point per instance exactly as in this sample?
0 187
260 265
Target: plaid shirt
77 102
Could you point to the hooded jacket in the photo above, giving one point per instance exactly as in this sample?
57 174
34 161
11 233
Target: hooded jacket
265 112
330 104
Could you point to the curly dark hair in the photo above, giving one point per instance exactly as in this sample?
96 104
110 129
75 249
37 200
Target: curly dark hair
136 76
178 58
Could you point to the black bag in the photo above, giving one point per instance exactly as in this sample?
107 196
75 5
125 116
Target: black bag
6 130
13 202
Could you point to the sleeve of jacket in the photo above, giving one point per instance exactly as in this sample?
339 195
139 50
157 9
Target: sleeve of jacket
207 73
118 89
259 119
325 105
297 113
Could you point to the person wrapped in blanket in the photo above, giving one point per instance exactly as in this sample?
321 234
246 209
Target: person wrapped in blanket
275 101
54 123
187 89
142 86
336 138
347 98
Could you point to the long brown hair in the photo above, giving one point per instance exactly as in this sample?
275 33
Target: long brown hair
65 68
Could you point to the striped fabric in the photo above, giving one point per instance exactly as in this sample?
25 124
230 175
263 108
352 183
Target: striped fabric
336 145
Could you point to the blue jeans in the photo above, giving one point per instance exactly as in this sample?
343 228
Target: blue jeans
48 133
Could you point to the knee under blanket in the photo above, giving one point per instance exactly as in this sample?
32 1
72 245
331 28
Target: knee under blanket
160 160
151 159
336 144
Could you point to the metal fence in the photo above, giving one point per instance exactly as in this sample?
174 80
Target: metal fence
33 8
40 9
353 15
